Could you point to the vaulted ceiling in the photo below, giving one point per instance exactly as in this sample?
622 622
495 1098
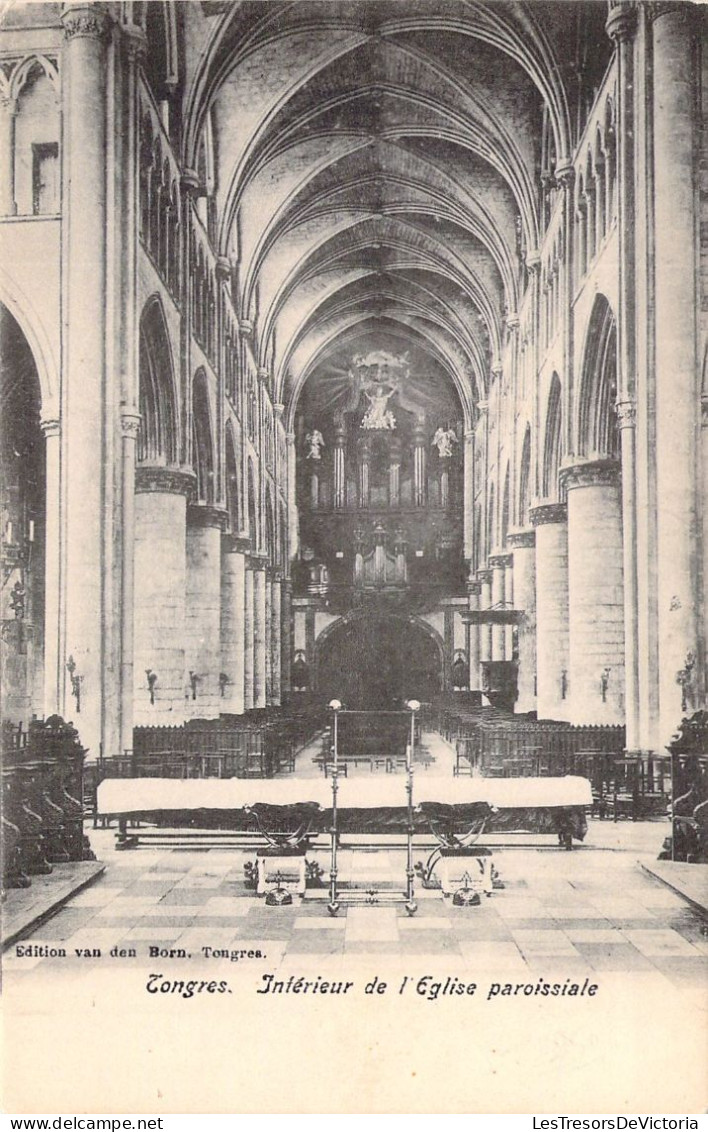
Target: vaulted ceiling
377 171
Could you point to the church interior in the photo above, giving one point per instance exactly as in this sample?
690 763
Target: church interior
354 409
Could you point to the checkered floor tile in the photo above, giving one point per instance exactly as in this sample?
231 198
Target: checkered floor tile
591 910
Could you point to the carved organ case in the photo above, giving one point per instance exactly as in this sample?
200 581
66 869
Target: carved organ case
379 484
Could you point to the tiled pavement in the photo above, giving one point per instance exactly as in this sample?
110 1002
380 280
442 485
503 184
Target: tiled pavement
592 910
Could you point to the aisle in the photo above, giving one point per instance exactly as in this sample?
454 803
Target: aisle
432 743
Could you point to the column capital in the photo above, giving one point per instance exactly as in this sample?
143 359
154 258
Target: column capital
50 427
235 544
533 262
256 562
519 540
86 21
547 513
246 327
621 23
190 182
134 41
565 173
203 515
512 321
264 374
130 425
223 268
626 413
500 559
484 577
483 407
590 473
279 409
474 587
290 439
165 481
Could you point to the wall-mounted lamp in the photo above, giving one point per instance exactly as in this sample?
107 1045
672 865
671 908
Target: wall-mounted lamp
18 594
604 683
684 679
564 684
193 682
152 681
76 682
224 682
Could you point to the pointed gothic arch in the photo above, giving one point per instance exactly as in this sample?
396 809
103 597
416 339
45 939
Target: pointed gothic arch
203 439
597 423
552 441
158 438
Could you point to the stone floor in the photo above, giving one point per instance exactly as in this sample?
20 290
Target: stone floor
592 910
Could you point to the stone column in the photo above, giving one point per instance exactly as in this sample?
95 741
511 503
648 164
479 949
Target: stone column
233 638
552 685
124 355
626 413
314 486
130 423
85 407
203 610
160 586
268 633
468 519
473 596
364 458
394 473
248 650
681 635
276 640
8 110
340 487
358 558
259 637
399 549
595 592
53 645
293 534
191 188
523 545
621 27
482 425
286 648
509 598
565 176
484 577
498 564
533 264
419 478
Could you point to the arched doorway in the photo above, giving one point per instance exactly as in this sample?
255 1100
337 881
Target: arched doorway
377 662
23 510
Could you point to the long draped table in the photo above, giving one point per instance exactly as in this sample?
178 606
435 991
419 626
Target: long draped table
366 805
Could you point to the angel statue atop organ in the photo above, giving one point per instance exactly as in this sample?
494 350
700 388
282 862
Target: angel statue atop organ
443 440
315 441
378 415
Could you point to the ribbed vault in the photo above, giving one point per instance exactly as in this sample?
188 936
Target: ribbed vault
379 165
